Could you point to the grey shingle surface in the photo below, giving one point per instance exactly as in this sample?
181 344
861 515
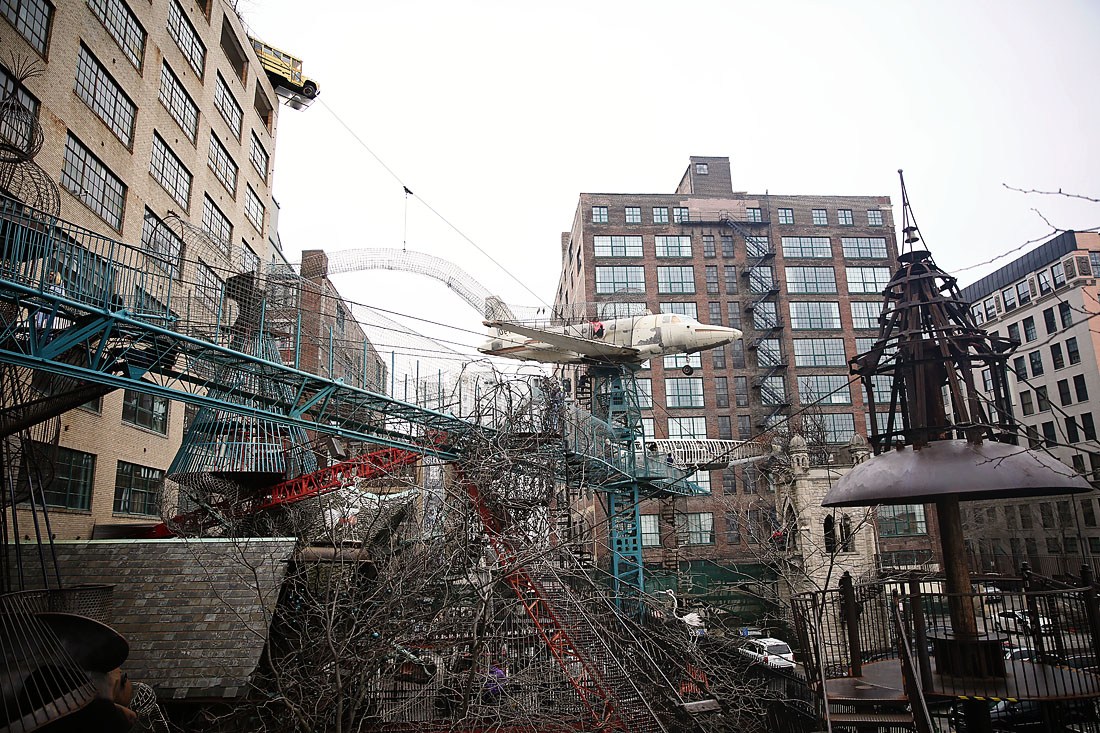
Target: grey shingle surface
195 612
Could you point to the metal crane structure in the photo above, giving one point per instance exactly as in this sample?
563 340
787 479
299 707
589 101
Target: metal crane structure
121 320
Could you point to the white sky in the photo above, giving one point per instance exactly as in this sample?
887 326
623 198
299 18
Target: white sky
497 114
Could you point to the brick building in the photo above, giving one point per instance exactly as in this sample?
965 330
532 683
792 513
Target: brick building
1045 300
148 109
801 276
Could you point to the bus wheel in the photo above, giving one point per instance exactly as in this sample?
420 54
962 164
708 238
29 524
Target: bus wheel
687 369
310 89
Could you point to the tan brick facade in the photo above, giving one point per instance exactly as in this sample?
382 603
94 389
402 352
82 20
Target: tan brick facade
62 112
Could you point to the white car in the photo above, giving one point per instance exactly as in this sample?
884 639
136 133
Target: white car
1019 622
775 653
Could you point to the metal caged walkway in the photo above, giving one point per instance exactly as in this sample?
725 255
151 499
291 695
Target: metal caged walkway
124 316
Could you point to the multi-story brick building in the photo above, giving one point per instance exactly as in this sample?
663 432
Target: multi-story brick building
1045 300
801 276
147 109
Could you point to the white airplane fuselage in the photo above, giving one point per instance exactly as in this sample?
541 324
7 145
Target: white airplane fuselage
650 335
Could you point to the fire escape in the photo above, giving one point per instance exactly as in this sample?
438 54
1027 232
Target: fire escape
764 320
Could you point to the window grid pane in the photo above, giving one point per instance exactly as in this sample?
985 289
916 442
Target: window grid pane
257 153
146 411
254 209
866 248
620 280
170 173
819 352
816 314
228 107
617 246
90 181
217 224
810 247
73 479
31 18
183 33
673 246
684 392
675 280
223 166
867 279
137 489
208 287
178 103
104 96
123 26
826 389
865 314
811 280
162 244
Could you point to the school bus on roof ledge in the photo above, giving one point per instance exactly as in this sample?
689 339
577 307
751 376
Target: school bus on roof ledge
284 70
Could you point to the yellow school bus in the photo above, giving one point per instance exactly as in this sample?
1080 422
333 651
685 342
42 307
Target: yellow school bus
284 70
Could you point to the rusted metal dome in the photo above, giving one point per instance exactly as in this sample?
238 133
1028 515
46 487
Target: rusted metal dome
954 467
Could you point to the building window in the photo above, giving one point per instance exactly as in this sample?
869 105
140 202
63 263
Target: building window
645 393
867 279
1080 388
680 214
208 287
1049 320
599 214
681 309
1030 332
1065 396
820 217
146 411
651 530
73 478
620 280
1072 352
1027 406
178 103
229 109
701 169
660 215
169 171
137 489
811 280
234 52
1050 435
808 247
761 279
865 314
687 428
836 427
1087 426
123 26
104 96
757 247
773 391
183 33
1035 359
718 357
754 215
727 245
254 208
1058 273
903 520
1023 293
1042 399
633 215
257 153
786 216
744 427
695 528
264 109
815 315
1056 357
1065 314
617 246
86 178
13 129
819 353
874 218
676 362
217 225
730 272
711 273
684 392
824 389
622 309
675 280
31 18
672 246
844 217
1008 297
163 246
882 388
708 245
721 392
225 170
1043 278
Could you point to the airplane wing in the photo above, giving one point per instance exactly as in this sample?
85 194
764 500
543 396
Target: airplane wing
585 347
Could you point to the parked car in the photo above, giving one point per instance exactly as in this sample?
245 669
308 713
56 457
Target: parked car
989 593
1027 715
1020 654
774 653
1019 622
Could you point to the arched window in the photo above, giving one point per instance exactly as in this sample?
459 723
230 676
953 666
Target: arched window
830 534
845 533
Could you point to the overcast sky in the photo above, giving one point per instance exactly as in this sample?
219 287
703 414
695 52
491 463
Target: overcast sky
498 114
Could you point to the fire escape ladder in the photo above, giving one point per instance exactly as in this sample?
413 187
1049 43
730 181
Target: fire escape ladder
597 675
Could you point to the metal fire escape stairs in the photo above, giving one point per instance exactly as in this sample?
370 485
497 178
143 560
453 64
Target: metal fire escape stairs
763 311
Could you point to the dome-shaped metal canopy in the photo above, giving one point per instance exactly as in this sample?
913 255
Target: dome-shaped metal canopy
954 467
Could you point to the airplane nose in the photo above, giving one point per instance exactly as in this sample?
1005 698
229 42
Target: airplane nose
709 337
